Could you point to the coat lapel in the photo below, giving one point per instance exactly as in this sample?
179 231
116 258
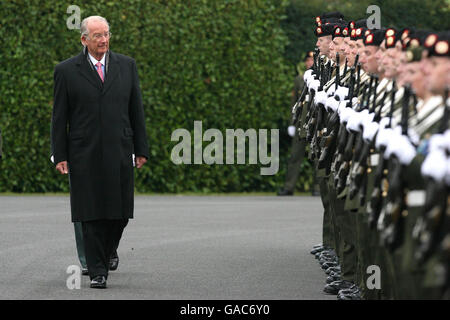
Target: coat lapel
86 71
112 73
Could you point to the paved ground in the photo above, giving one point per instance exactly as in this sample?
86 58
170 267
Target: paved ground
177 247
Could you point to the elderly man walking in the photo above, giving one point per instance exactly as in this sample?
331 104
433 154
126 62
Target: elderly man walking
98 124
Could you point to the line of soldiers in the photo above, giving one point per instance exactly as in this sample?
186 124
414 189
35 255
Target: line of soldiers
374 112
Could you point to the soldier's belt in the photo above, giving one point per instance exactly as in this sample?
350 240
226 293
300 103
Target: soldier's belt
415 198
374 160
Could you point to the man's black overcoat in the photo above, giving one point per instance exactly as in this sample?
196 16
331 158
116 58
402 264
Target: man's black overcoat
97 127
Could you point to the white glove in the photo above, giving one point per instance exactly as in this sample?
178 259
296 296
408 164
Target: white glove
346 114
435 165
307 74
331 90
320 97
314 85
291 131
354 122
383 136
332 103
342 93
370 129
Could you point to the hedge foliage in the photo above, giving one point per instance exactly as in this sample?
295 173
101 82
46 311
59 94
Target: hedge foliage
217 61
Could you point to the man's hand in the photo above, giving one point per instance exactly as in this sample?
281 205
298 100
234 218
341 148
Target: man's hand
62 167
140 161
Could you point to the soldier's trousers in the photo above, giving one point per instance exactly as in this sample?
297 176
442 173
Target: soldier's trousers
349 258
294 163
328 237
334 217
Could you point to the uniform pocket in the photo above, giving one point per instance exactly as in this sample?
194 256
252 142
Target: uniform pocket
128 132
76 134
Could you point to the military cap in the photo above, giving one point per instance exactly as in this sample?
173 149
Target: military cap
415 38
403 36
330 17
414 54
362 23
351 25
340 30
359 33
437 44
375 38
324 30
334 14
328 21
391 37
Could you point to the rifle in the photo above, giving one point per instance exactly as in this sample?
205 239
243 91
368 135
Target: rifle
446 117
366 98
340 179
393 217
380 182
319 115
316 54
345 69
356 60
374 102
348 156
358 78
391 111
359 181
377 116
338 79
433 226
333 126
297 109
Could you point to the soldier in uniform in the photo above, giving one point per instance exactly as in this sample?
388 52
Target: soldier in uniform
298 145
387 203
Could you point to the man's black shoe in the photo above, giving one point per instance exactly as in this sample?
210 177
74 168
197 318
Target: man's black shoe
315 250
99 282
324 259
334 287
284 192
334 274
349 295
113 263
353 289
329 264
336 269
333 278
84 271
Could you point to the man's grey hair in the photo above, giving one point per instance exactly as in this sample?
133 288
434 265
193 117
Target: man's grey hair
84 24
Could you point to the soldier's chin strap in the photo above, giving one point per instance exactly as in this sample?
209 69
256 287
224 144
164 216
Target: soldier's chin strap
446 117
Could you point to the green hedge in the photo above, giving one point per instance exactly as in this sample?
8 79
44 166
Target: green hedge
220 61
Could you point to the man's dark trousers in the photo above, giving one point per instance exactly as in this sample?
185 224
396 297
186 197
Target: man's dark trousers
101 238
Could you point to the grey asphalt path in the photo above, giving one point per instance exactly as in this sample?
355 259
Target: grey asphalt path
177 247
